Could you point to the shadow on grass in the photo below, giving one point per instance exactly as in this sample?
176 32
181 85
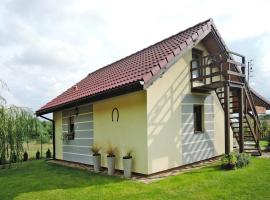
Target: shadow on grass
36 176
212 168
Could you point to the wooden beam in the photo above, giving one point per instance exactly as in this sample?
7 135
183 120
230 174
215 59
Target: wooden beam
236 74
227 117
235 63
206 76
241 128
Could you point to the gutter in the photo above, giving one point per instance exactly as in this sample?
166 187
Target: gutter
131 87
53 124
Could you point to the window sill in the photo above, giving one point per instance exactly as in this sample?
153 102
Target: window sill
199 132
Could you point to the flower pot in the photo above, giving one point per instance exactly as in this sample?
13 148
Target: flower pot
111 164
229 166
96 163
127 165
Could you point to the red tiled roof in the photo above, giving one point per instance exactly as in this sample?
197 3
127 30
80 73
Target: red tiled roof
260 100
140 66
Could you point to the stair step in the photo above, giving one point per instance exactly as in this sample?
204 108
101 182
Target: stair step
234 117
221 92
244 122
235 108
248 136
231 102
253 153
249 149
249 145
229 97
238 127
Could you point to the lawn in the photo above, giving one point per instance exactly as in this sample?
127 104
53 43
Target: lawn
263 144
40 180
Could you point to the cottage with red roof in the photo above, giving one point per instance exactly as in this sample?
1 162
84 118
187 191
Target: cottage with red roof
179 101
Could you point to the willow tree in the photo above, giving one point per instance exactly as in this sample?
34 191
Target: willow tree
16 123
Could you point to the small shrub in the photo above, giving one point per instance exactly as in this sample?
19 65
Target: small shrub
228 161
232 161
25 156
95 149
48 154
243 159
38 155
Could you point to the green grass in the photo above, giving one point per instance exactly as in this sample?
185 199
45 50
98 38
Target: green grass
263 144
34 145
40 180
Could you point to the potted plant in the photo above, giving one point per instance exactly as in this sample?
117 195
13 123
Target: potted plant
127 164
96 157
228 161
111 160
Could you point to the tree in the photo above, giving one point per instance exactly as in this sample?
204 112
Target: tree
15 125
265 128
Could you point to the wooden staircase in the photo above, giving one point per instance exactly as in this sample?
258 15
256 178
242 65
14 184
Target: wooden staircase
251 140
221 73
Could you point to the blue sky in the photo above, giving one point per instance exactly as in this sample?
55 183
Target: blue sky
47 46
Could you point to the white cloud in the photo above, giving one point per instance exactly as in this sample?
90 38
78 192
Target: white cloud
47 46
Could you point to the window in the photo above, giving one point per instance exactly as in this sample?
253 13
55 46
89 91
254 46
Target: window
71 128
196 62
198 118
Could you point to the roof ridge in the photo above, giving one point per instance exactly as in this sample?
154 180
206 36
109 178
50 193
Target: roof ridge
137 52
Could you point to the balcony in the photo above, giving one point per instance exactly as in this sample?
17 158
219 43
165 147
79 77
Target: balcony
210 72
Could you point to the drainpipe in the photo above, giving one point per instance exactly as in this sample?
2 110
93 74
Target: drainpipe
53 124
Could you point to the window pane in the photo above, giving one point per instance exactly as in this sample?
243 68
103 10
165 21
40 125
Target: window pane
198 118
196 57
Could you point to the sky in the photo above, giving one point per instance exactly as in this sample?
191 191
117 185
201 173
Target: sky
46 46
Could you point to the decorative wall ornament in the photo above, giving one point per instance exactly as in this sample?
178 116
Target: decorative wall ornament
115 110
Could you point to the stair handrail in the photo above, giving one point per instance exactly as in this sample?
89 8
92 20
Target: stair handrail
252 131
252 106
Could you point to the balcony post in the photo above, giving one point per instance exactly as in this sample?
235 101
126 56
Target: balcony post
241 128
227 117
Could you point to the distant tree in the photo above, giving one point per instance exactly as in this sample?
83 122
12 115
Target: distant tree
264 125
43 131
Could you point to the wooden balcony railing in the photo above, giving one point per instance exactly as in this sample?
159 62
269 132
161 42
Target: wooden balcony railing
211 71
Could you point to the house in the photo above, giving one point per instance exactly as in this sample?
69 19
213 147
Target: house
179 101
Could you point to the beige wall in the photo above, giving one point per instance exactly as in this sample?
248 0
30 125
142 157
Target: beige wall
57 117
129 132
165 114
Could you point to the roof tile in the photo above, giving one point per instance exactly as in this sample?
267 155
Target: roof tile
142 65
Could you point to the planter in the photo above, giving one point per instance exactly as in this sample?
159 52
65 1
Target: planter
96 162
228 166
111 164
127 165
